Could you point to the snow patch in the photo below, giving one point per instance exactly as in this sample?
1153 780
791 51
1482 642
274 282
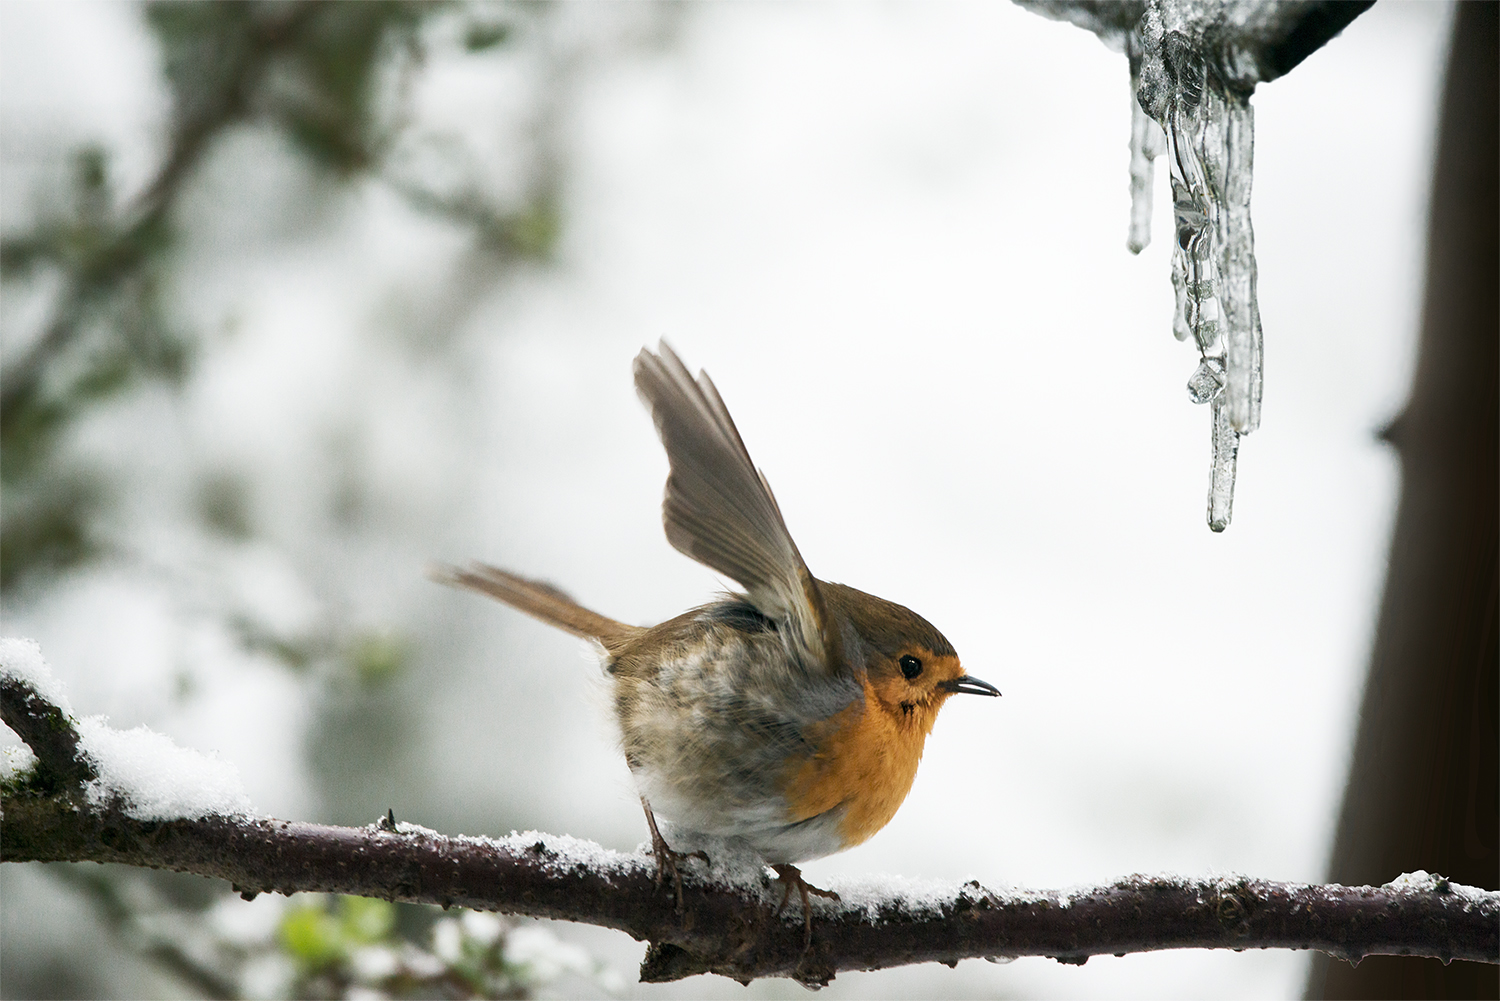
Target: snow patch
733 865
1430 882
482 927
16 760
248 923
564 852
21 660
154 778
1419 880
544 954
448 941
879 893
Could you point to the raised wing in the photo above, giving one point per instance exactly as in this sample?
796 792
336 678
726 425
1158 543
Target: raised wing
719 510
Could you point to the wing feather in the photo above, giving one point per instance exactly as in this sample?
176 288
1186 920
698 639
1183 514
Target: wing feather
718 508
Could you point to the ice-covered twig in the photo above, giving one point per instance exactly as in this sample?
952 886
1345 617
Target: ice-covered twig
1193 65
731 925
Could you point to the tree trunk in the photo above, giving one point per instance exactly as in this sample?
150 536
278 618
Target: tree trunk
1422 790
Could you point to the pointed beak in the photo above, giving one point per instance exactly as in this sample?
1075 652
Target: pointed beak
968 686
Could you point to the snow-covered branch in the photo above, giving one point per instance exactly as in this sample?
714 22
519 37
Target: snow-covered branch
57 810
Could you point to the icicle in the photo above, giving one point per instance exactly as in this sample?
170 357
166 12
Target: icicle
1207 381
1146 143
1195 265
1193 65
1221 474
1210 143
1242 336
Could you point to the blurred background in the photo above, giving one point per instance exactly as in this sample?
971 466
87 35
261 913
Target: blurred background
299 298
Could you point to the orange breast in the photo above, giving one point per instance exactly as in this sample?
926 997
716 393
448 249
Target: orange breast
866 761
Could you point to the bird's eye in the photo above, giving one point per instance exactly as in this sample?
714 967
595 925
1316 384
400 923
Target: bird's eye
910 667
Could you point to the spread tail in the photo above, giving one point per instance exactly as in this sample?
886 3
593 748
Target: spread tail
539 600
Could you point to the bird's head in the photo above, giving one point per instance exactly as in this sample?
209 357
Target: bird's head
912 669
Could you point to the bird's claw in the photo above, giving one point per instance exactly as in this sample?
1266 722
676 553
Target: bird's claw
667 858
790 877
667 861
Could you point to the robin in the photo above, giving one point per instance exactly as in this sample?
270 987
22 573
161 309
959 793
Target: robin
790 717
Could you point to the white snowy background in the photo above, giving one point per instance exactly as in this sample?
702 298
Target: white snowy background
895 236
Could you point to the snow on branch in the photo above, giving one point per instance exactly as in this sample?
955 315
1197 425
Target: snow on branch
730 924
142 773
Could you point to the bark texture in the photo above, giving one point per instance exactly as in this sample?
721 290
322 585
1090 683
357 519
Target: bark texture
1422 790
731 925
728 920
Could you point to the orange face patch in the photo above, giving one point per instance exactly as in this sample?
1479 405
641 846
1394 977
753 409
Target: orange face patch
868 754
916 699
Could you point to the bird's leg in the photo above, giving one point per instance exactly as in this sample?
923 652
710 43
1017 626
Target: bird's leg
666 858
790 877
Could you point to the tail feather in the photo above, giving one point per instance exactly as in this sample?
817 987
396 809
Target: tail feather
539 600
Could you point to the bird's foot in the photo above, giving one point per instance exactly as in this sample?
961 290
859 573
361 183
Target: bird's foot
666 858
791 877
667 861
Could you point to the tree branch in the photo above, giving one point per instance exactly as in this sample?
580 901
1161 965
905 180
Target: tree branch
1422 787
50 734
1246 41
730 924
116 256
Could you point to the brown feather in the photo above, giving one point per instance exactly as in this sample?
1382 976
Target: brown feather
718 508
539 600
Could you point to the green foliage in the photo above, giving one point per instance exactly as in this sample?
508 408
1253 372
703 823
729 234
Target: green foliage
18 772
312 68
107 331
332 79
107 326
343 946
45 527
224 506
483 35
534 231
326 75
376 657
319 937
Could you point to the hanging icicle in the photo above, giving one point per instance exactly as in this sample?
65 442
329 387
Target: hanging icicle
1193 66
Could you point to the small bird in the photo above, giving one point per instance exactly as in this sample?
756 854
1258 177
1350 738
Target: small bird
789 717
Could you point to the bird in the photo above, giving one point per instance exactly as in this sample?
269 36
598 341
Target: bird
788 717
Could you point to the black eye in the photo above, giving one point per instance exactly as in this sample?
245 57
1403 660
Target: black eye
910 667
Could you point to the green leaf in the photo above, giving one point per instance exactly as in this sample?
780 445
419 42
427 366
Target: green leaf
313 937
365 920
485 36
377 657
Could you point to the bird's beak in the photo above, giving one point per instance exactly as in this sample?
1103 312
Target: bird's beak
968 686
